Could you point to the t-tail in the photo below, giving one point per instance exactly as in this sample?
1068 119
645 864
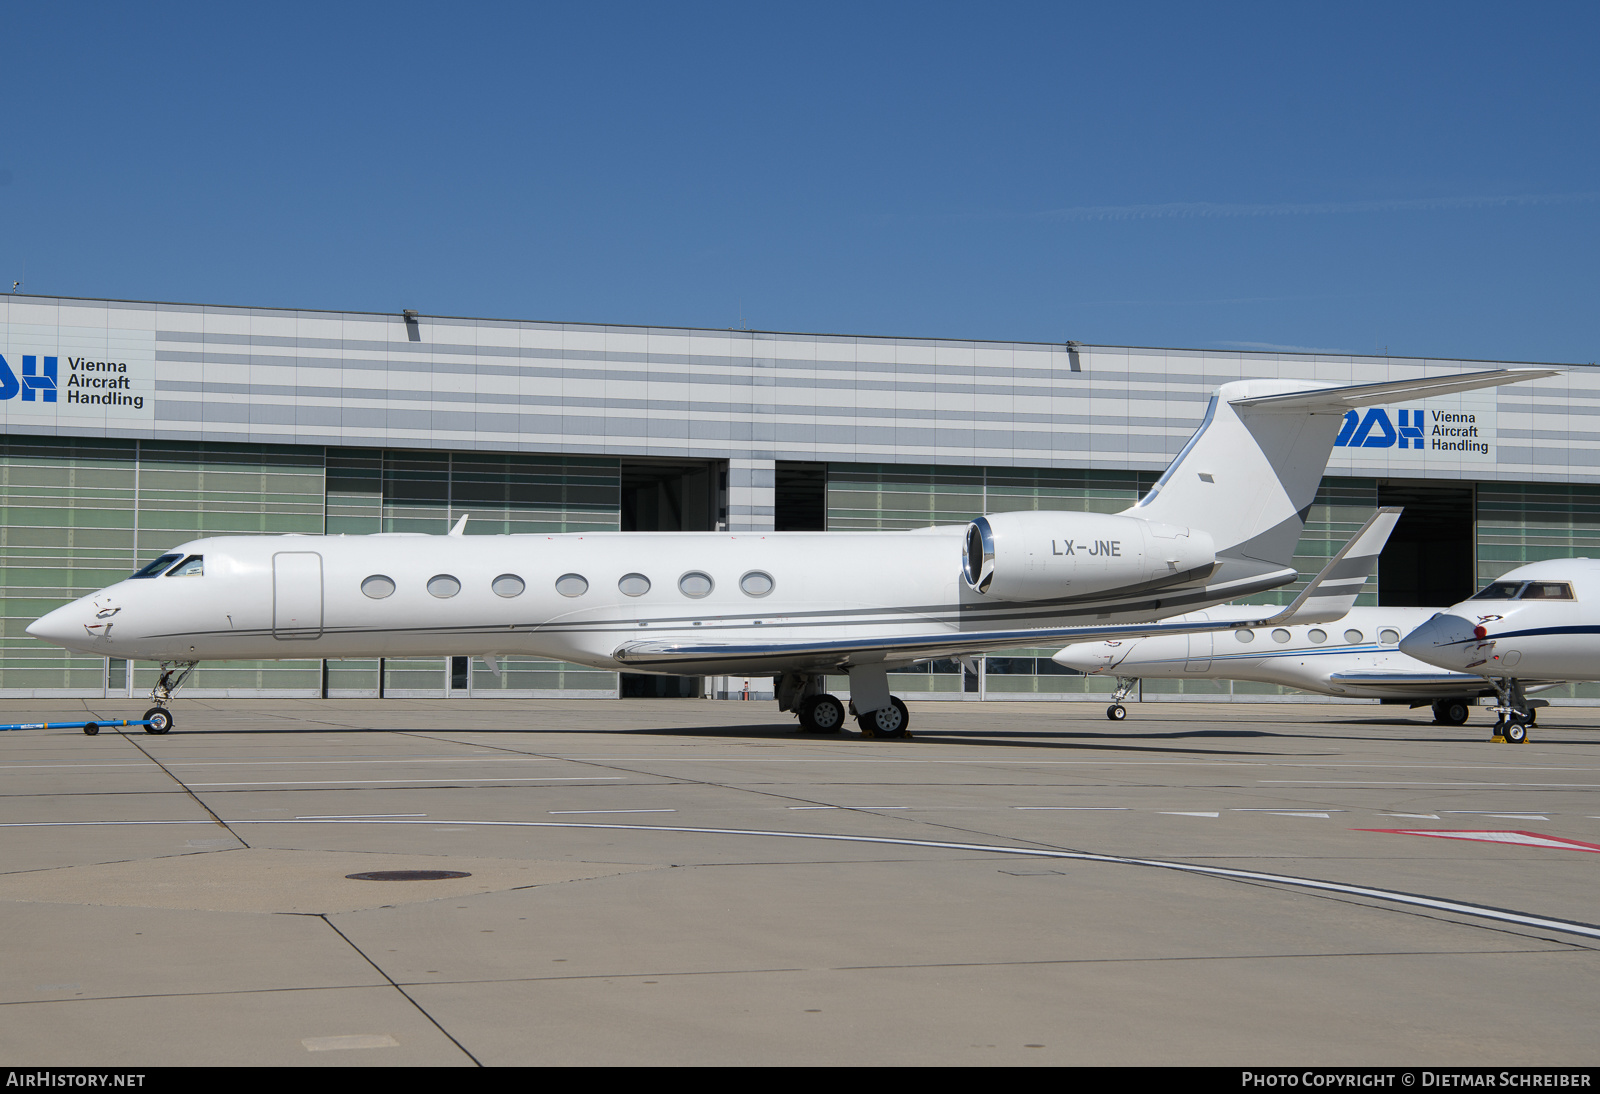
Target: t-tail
1250 472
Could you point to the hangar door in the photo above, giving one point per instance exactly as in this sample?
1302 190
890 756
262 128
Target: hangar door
296 595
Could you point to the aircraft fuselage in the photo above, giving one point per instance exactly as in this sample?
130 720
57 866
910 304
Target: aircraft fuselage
577 597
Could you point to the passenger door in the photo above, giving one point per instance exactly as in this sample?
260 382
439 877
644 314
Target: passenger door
296 595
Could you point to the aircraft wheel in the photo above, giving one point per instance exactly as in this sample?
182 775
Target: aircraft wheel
1516 732
91 730
889 721
160 720
821 714
1116 712
1452 712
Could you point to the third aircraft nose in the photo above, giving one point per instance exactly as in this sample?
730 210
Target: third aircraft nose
1442 640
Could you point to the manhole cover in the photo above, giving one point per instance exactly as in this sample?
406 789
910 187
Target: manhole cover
407 875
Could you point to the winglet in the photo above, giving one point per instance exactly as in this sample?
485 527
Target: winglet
461 526
1332 593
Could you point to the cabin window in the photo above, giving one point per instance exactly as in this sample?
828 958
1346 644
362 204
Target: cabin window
443 586
1317 634
1244 635
156 568
1353 636
193 566
572 584
1280 635
757 583
695 584
1389 636
507 585
378 586
1546 590
634 584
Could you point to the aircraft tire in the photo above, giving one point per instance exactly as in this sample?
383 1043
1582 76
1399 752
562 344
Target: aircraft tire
821 714
1451 712
160 719
891 721
1516 732
1116 712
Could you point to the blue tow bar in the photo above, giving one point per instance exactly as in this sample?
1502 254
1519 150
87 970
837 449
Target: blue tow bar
89 728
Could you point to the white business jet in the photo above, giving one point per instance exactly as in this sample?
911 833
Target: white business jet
1221 523
1538 623
1357 659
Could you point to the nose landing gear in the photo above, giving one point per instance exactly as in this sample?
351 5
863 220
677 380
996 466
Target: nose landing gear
173 675
1517 713
1125 685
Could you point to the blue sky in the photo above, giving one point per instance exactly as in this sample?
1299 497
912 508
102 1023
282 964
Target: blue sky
1419 178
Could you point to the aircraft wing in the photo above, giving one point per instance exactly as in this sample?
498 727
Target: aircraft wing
1338 581
1409 683
683 657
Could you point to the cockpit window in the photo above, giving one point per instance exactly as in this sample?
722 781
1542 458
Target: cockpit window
193 566
156 568
1527 590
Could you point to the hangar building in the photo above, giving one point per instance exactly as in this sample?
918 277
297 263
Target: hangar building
130 426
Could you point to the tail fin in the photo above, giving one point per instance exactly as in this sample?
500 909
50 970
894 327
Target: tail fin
1251 470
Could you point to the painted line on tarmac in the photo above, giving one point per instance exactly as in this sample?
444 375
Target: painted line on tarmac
563 812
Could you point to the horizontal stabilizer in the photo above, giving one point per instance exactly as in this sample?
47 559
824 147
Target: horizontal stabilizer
1355 395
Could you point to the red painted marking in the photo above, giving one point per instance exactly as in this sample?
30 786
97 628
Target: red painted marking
1523 839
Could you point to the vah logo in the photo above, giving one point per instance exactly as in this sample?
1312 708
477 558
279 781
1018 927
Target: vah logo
33 383
89 383
1441 431
1376 431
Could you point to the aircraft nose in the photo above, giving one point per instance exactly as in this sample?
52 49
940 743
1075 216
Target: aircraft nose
1087 658
62 627
1443 640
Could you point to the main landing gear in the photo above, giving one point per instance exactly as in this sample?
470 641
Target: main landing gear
818 712
890 721
173 675
1125 685
1451 712
1517 713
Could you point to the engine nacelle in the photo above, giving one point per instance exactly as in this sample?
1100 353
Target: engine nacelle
1042 555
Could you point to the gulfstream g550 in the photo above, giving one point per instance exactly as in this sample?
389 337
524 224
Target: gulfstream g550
1221 523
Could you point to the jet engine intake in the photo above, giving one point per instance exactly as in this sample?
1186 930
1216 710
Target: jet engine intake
1043 555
